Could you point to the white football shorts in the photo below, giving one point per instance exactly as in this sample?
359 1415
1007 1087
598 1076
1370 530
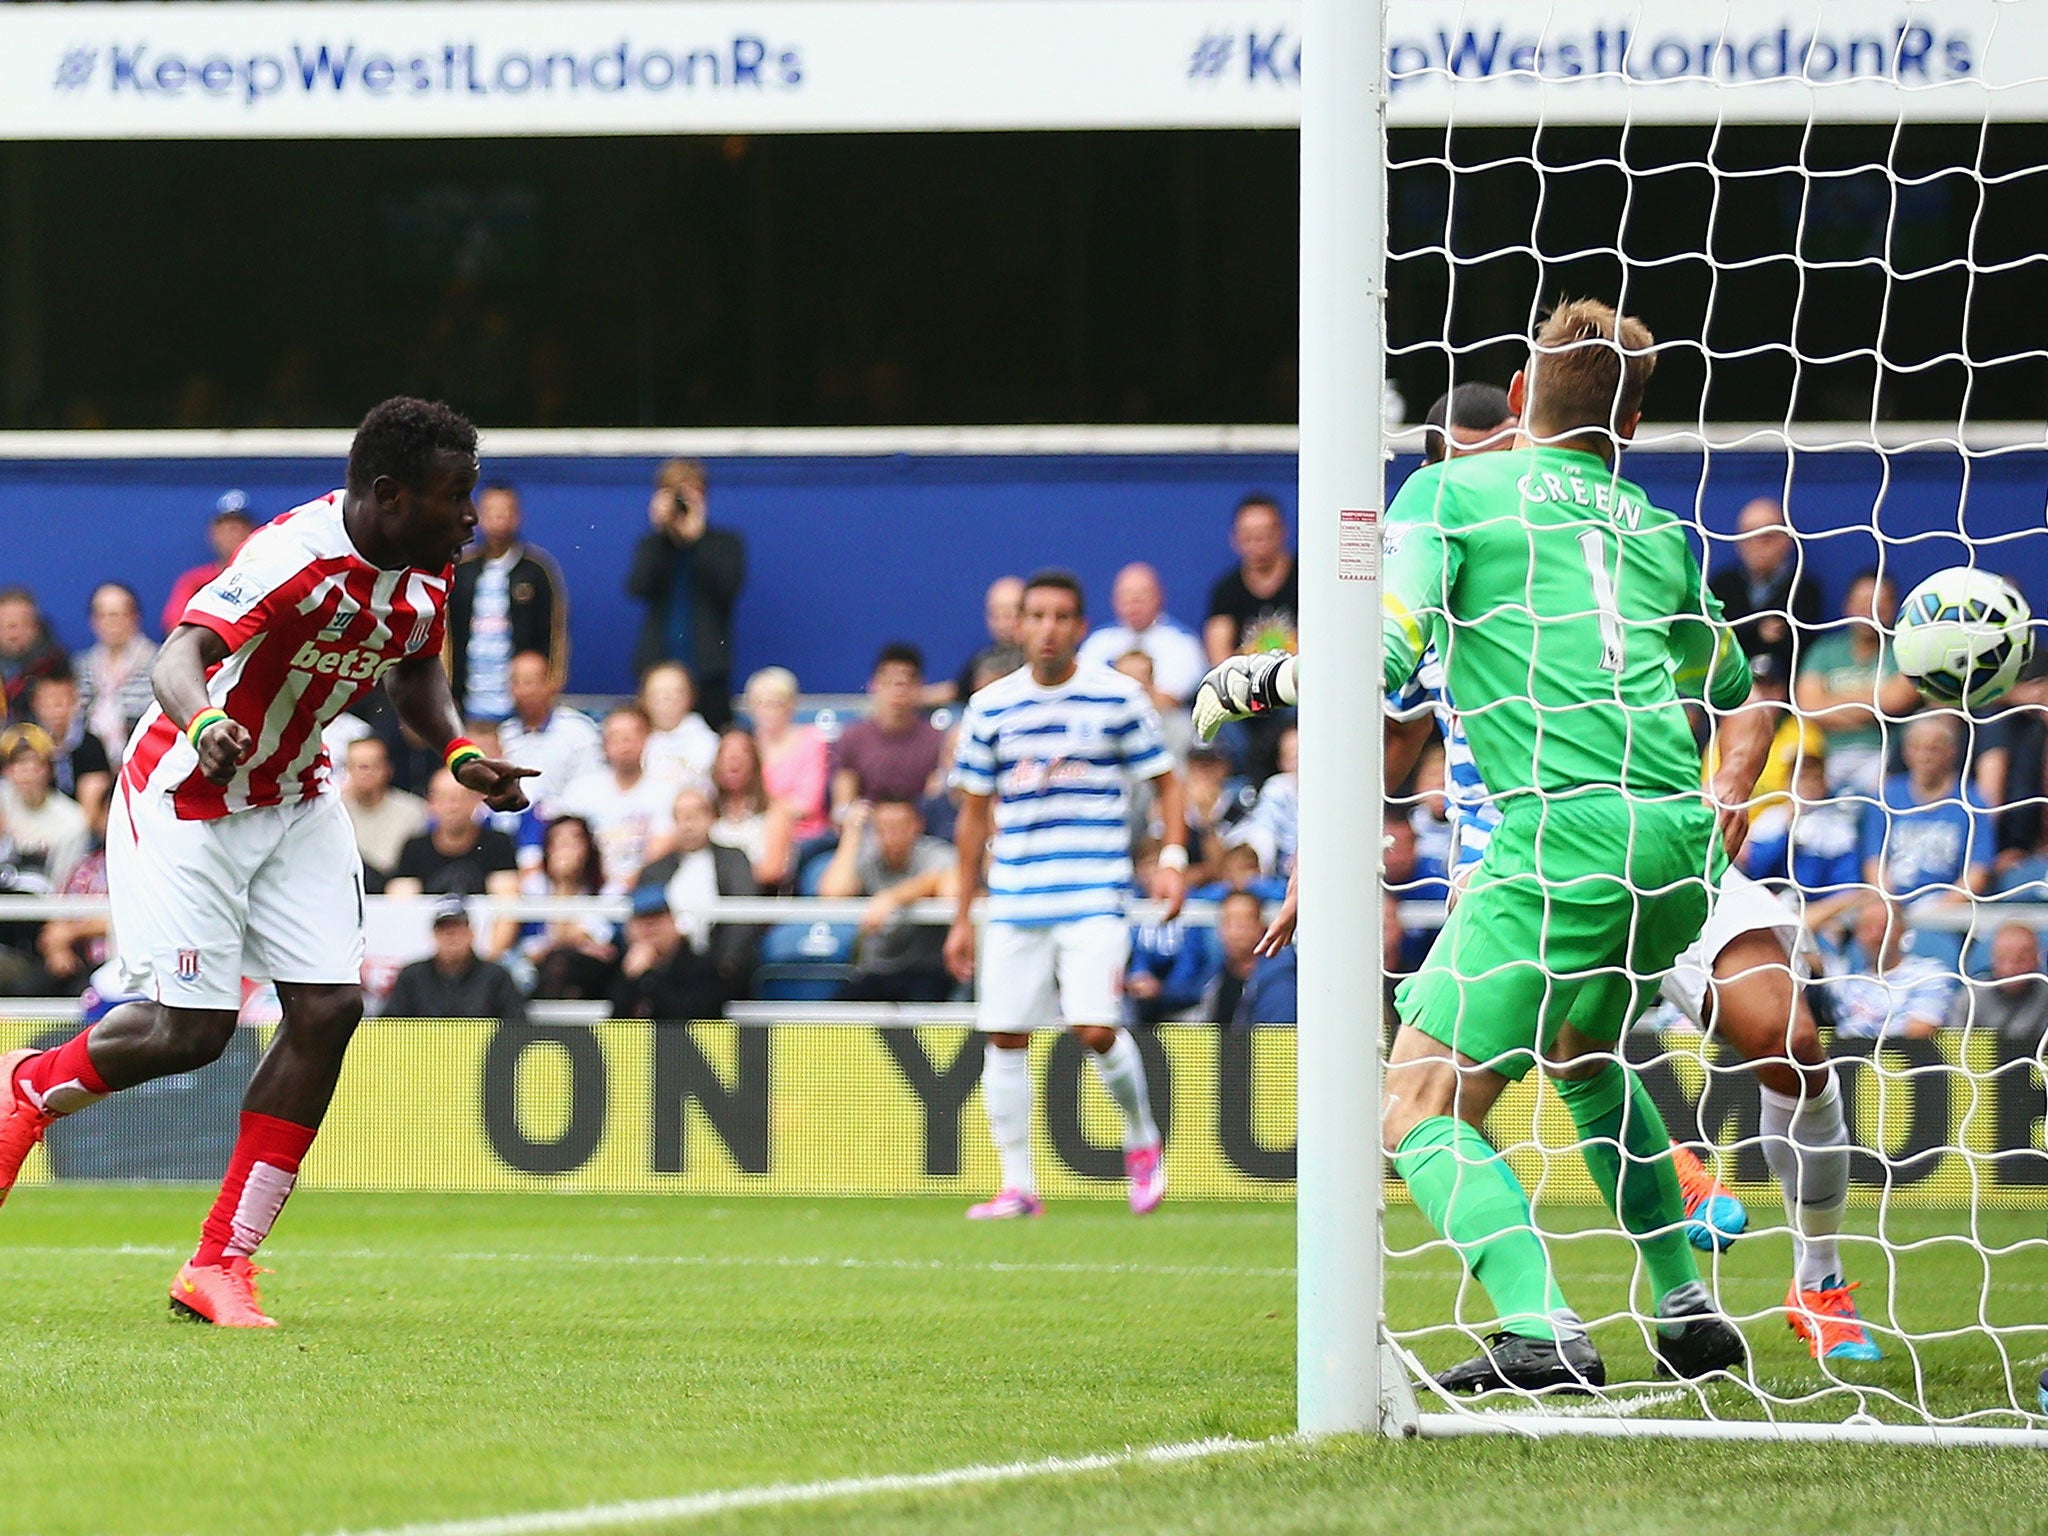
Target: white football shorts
1740 906
1069 973
274 894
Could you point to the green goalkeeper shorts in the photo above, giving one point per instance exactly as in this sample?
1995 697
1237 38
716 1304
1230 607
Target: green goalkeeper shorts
1579 907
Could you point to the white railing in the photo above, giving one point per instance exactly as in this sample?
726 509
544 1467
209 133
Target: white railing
1984 912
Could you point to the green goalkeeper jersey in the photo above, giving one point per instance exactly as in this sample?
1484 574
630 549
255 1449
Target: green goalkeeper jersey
1570 618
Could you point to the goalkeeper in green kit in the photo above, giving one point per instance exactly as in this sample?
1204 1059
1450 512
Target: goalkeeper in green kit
1572 622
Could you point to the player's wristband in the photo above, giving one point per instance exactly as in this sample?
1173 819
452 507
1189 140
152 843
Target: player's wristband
1173 856
197 726
460 751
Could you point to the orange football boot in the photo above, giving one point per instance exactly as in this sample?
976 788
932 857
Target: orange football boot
221 1294
1714 1217
1829 1322
21 1123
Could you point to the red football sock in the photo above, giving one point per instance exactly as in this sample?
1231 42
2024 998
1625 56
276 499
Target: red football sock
62 1081
259 1180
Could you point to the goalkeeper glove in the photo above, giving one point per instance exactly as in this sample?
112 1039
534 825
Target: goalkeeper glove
1242 686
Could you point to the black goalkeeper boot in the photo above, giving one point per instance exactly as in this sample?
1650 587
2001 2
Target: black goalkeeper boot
1707 1343
1516 1361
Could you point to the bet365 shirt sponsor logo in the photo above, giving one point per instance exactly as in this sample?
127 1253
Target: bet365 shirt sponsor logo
356 666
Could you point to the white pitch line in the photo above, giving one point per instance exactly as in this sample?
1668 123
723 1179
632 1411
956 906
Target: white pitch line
1602 1407
700 1261
695 1506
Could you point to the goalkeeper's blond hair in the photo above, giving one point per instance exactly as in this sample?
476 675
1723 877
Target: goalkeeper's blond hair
1587 370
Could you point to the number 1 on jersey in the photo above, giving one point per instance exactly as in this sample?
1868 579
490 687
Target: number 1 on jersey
1594 547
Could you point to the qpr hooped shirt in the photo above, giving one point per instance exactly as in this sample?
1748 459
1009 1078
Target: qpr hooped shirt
311 626
1060 762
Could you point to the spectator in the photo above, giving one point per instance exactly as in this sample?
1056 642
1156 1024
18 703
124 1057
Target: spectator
1849 686
1251 988
1176 724
626 806
680 745
900 960
572 957
458 855
43 838
1172 965
523 826
28 652
1813 840
507 597
231 526
794 758
1876 990
747 819
72 948
385 819
113 672
692 879
1274 825
1000 606
1773 605
1928 841
2011 774
663 975
46 829
455 982
1178 659
543 733
895 753
689 575
2011 1004
1216 802
1252 606
83 771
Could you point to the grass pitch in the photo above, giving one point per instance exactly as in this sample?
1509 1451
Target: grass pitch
454 1358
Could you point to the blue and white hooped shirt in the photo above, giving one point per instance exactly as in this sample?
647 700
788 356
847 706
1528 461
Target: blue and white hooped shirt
1474 815
1060 763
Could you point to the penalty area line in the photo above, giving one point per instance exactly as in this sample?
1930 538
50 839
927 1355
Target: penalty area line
596 1517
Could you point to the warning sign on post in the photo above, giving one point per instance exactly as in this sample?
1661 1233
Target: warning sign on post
1358 546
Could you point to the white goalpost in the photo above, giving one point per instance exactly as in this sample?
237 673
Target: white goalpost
1946 1235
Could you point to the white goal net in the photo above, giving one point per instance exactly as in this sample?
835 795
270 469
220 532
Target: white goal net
1829 217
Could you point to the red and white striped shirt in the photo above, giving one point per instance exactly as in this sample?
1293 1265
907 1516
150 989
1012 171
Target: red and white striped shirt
311 626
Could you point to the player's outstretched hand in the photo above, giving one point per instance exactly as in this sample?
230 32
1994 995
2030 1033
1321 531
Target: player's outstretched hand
497 781
1241 686
223 747
1280 932
1170 886
1729 798
960 949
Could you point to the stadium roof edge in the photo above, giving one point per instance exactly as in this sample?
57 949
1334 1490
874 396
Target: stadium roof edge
855 442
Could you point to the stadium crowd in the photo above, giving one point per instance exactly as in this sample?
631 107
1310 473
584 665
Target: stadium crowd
1879 814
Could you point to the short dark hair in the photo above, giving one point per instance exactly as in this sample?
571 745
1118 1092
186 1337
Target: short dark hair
1241 895
900 651
633 710
502 487
1474 407
903 800
1058 581
401 437
1252 499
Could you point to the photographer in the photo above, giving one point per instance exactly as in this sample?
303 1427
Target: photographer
689 575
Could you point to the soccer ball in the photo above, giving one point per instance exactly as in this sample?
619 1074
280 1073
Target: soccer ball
1963 636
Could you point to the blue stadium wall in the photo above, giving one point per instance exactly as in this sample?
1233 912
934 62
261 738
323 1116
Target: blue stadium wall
846 553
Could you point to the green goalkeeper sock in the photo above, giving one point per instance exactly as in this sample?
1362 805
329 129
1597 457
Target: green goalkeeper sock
1472 1197
1628 1152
